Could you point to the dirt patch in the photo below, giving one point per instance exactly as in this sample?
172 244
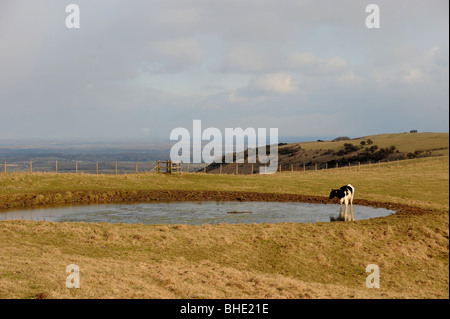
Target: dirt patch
41 295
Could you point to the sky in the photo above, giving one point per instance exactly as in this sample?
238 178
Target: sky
139 69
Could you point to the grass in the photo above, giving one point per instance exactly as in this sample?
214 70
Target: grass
404 142
421 182
286 260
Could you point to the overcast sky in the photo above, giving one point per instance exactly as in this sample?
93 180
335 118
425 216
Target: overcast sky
142 68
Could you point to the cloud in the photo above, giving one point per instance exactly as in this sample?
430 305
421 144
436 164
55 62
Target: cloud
174 55
246 59
439 55
243 59
158 64
279 83
309 64
407 66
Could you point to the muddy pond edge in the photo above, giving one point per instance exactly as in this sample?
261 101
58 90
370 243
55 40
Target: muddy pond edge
58 199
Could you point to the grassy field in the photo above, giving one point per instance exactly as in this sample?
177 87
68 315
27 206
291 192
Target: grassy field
404 142
287 260
416 182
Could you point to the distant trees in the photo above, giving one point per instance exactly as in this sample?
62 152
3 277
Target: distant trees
348 148
359 153
373 153
368 142
341 138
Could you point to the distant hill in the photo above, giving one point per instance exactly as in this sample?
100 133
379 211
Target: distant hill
341 151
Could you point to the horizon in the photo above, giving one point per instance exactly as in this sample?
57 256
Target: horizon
84 144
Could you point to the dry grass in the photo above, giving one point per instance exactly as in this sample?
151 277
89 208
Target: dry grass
287 260
423 182
404 142
325 260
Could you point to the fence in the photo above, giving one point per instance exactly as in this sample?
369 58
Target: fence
168 167
248 168
76 167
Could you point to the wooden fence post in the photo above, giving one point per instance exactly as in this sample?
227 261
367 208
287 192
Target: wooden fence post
157 166
56 166
137 170
31 167
187 167
4 167
315 167
76 167
96 167
292 168
326 165
116 168
252 169
220 169
237 169
337 165
280 168
204 167
304 168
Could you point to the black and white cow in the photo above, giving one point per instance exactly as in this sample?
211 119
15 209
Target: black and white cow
345 195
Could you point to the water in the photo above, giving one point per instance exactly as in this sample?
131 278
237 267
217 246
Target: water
195 213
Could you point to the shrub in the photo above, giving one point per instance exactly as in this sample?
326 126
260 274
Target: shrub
350 147
341 138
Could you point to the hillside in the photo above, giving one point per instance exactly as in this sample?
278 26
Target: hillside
342 151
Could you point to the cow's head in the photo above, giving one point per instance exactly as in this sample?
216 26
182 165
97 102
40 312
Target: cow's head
333 193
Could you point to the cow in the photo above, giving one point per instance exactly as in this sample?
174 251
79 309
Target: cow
345 195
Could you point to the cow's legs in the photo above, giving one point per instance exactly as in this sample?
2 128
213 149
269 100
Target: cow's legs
341 212
346 214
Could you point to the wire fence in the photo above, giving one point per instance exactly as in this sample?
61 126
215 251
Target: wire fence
127 167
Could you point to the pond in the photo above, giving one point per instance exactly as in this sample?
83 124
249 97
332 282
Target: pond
194 213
